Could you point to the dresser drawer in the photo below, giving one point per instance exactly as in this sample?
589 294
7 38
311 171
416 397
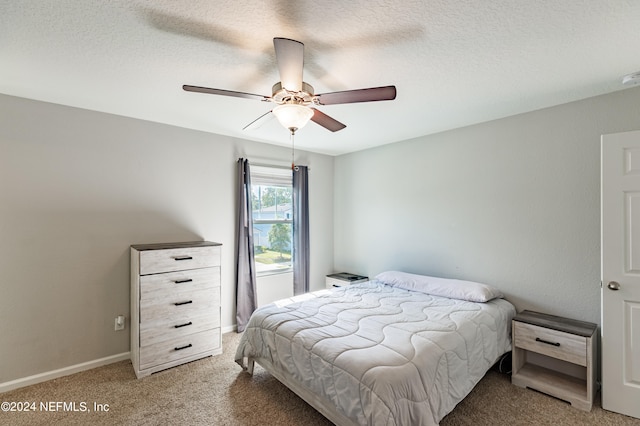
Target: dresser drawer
180 307
178 259
163 285
152 332
181 347
557 344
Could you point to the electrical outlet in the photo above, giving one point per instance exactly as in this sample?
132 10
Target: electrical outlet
119 323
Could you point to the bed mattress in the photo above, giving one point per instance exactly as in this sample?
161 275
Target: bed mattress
380 355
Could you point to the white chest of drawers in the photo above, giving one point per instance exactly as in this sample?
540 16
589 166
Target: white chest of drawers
175 304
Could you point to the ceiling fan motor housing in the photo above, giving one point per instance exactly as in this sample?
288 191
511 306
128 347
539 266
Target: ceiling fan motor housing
281 95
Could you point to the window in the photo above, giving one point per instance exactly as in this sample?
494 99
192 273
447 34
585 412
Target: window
271 194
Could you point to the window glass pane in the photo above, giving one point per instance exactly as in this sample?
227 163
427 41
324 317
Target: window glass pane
272 227
271 202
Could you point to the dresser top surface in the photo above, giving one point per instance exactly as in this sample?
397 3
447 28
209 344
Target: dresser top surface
580 328
165 246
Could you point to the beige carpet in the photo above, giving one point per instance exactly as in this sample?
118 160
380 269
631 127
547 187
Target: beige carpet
214 391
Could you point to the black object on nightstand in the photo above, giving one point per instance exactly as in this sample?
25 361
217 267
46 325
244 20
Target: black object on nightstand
344 278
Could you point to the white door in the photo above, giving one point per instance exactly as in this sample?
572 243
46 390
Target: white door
621 273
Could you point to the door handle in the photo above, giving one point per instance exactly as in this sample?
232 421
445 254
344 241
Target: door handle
613 285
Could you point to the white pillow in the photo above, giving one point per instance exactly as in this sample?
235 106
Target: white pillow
453 289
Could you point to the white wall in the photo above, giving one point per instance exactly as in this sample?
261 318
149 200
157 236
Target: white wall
78 187
270 287
514 203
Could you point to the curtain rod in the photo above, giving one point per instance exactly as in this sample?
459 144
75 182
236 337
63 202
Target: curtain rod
275 166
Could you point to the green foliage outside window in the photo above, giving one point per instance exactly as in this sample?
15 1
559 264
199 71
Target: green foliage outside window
280 237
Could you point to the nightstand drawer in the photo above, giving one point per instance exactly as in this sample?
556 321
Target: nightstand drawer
553 343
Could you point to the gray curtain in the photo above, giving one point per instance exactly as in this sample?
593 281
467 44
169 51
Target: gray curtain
300 230
245 265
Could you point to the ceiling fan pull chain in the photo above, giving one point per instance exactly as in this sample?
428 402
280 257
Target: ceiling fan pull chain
293 150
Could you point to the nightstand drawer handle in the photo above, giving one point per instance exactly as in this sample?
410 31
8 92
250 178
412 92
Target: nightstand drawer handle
183 347
547 342
183 303
183 325
183 281
183 258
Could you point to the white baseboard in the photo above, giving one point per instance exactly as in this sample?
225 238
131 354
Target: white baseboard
49 375
229 328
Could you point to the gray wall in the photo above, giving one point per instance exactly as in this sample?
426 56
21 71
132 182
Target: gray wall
514 203
78 187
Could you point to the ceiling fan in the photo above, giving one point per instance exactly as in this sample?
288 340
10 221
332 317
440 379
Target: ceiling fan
295 98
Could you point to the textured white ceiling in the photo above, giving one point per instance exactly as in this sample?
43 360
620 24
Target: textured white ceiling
454 62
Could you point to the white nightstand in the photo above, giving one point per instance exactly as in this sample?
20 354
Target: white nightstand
344 278
556 356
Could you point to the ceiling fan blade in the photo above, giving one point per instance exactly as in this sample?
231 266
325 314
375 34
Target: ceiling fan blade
325 121
259 121
372 94
290 57
225 92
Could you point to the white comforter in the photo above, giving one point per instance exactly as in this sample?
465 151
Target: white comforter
381 355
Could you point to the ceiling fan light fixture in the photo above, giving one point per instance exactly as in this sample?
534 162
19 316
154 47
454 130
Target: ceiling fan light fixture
293 116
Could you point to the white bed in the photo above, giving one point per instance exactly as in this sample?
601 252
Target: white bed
392 351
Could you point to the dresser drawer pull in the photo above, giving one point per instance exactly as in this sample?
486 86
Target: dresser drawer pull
183 303
183 325
547 342
183 281
182 258
183 347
